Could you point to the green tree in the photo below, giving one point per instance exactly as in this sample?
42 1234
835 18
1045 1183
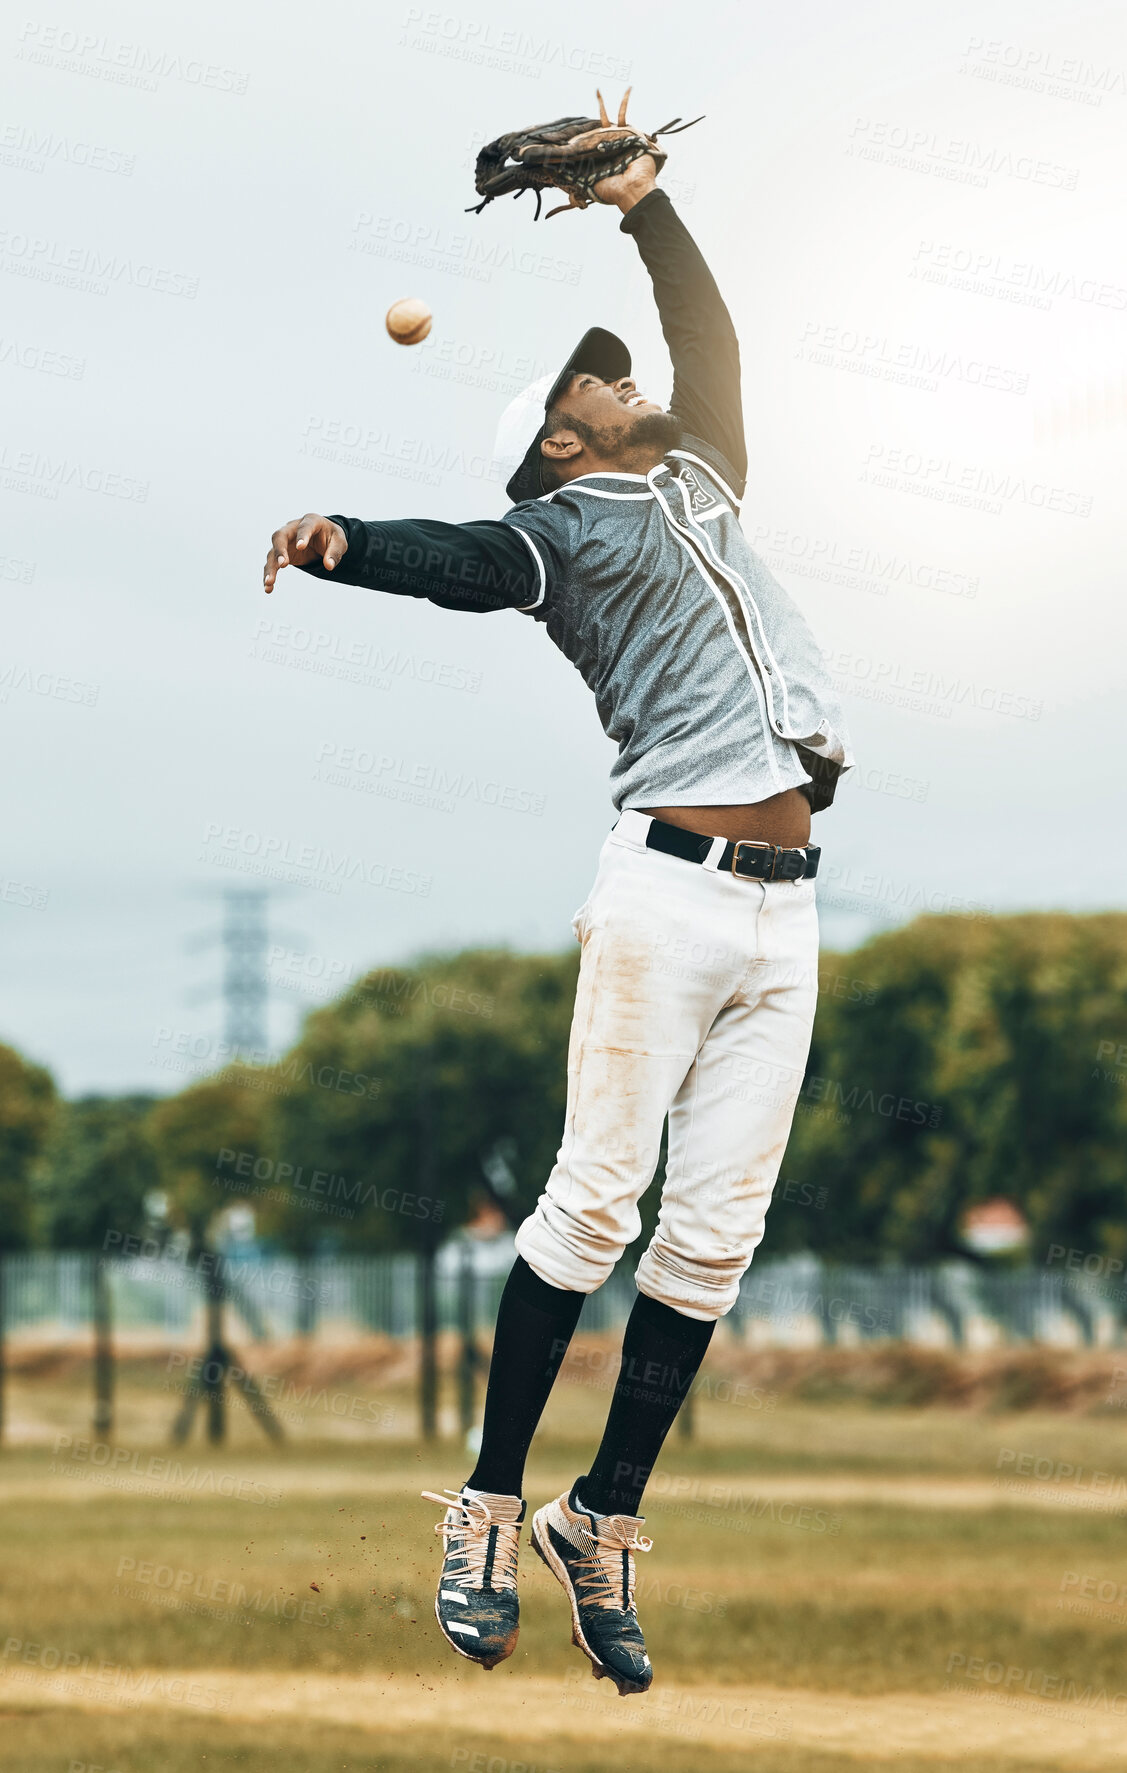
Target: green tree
98 1168
27 1106
398 1089
984 1065
191 1132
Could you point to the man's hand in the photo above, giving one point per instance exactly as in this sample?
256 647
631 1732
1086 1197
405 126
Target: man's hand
629 187
303 539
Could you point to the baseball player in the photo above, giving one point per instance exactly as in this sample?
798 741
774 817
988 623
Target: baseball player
698 982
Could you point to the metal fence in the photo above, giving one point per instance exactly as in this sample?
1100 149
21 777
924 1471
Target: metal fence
792 1302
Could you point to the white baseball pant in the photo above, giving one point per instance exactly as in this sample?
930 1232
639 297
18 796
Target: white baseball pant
695 1000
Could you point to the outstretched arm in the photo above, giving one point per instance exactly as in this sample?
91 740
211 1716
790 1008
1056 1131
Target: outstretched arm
467 566
697 326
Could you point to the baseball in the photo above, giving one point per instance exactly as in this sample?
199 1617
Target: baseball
408 321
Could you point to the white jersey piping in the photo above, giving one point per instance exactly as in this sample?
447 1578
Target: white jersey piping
539 567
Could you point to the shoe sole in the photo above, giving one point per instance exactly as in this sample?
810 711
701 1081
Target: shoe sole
559 1570
478 1661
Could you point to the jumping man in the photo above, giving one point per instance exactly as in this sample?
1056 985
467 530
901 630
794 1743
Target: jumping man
624 540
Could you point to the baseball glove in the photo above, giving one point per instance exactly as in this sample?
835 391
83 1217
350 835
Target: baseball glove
570 155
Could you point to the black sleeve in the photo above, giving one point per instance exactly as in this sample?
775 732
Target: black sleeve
698 330
470 566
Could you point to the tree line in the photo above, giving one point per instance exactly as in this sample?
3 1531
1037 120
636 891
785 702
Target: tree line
954 1059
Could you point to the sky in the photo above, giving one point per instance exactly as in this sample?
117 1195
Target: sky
915 215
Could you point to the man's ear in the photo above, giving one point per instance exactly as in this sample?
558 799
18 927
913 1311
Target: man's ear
561 446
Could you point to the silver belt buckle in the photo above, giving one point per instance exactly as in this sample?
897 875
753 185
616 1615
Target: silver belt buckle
753 843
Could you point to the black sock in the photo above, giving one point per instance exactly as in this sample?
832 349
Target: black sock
661 1352
535 1323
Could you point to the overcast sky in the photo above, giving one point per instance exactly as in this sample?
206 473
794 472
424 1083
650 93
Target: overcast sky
916 216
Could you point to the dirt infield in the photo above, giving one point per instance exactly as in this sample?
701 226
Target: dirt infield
526 1711
88 1482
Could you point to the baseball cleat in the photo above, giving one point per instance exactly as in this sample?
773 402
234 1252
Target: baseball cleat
592 1558
476 1605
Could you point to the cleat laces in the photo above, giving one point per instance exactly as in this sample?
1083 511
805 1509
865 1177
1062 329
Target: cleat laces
479 1551
605 1578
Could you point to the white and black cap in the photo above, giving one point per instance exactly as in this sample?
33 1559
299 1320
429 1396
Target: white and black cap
598 353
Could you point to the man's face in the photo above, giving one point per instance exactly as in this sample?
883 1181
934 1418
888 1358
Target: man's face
607 415
599 426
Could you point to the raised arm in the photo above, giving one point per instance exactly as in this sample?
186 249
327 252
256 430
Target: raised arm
463 566
697 326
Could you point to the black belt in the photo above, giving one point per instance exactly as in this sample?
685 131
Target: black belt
749 858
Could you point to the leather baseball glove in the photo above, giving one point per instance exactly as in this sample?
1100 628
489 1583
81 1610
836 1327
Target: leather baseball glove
572 154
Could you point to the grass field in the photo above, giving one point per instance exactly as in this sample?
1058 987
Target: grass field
831 1588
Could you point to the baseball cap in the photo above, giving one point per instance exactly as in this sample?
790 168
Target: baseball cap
598 353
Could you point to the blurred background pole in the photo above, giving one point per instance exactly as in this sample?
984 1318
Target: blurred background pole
3 1340
428 1277
215 1364
467 1324
685 1422
101 1302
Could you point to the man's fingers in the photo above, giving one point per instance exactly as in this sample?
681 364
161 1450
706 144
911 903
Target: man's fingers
279 543
310 534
